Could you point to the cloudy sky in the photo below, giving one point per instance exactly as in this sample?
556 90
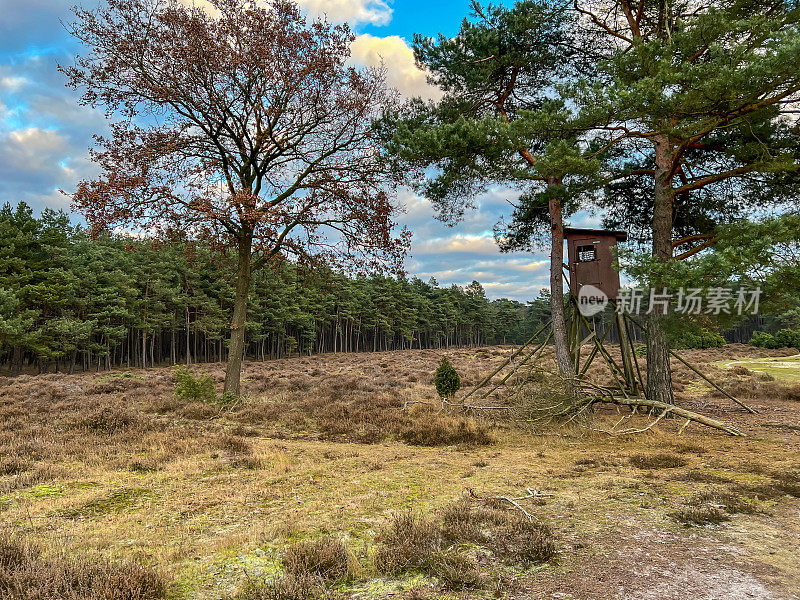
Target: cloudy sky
45 134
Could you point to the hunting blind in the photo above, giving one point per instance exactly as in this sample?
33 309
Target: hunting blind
591 261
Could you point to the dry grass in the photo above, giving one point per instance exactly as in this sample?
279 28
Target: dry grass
115 467
662 460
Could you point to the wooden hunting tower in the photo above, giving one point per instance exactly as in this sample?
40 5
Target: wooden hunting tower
591 261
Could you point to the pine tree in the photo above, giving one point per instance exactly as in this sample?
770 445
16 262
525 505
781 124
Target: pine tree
706 90
503 121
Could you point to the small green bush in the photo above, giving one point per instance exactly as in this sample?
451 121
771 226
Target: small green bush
785 338
788 338
700 340
446 380
761 339
193 387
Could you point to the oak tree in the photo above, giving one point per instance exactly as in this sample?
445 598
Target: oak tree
243 122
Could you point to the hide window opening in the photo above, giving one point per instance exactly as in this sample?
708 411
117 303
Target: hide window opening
586 253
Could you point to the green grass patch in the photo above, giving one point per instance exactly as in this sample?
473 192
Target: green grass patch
785 369
114 503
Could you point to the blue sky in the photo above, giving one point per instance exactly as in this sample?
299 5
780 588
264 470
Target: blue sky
45 134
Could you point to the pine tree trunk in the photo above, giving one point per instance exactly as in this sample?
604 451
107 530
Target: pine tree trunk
16 361
188 344
233 372
565 367
659 377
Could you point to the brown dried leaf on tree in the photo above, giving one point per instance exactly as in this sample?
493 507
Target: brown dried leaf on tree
245 124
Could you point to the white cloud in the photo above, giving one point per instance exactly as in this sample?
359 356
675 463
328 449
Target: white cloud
461 243
354 12
27 148
12 83
375 12
398 58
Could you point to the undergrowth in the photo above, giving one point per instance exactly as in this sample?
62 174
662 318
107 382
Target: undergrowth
25 574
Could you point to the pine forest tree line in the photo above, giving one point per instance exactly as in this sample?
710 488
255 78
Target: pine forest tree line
69 302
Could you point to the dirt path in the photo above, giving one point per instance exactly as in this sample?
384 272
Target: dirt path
753 557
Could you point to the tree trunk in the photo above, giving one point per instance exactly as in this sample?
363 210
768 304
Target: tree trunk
563 357
16 360
233 372
659 376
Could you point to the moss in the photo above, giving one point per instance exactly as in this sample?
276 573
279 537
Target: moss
114 503
45 490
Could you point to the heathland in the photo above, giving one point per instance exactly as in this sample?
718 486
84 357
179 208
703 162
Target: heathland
318 483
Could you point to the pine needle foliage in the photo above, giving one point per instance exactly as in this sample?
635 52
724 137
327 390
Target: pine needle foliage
446 379
189 386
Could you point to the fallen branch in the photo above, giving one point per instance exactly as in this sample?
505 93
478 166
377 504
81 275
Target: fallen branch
606 395
407 402
675 410
531 494
630 431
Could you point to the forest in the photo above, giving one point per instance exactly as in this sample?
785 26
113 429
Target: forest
70 302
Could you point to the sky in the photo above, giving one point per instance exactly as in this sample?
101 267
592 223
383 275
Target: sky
45 134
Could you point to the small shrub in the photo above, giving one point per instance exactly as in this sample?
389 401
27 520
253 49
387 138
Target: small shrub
26 575
701 339
14 465
526 541
714 507
108 420
788 338
140 467
414 543
286 587
700 515
199 410
445 431
731 502
785 338
327 559
456 571
761 339
189 386
462 523
446 380
657 461
409 543
235 444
